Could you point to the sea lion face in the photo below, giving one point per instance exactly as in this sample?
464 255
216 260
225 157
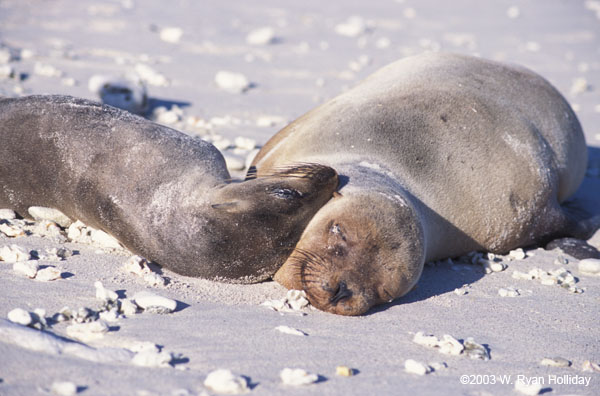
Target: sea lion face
254 225
358 251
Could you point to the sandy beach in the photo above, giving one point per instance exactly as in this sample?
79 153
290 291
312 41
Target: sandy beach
291 57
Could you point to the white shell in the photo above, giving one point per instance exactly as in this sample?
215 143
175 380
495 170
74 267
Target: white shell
555 362
589 266
63 388
171 34
145 299
528 389
48 274
290 330
297 377
224 381
40 213
261 36
87 331
104 294
27 268
20 316
7 214
231 81
450 345
13 254
414 367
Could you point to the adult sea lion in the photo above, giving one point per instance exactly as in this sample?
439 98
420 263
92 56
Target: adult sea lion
163 194
438 155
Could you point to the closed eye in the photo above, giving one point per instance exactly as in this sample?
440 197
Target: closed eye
286 193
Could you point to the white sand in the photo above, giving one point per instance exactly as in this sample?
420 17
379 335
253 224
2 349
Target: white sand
223 326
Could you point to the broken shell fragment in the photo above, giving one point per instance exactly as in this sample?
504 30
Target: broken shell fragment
224 381
27 268
147 301
414 367
48 274
297 377
104 294
555 362
20 316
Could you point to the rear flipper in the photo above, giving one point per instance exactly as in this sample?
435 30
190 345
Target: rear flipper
580 226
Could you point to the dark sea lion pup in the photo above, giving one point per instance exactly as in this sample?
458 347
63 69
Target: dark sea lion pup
438 155
161 193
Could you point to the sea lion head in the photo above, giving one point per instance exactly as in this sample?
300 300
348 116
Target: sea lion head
253 225
359 250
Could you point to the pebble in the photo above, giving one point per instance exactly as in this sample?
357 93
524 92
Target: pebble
528 389
151 76
104 294
5 55
128 307
27 268
517 254
7 71
245 143
560 277
152 358
461 291
590 366
139 266
58 254
297 377
40 213
427 340
127 93
49 229
88 331
20 316
513 12
46 70
79 232
234 162
589 267
475 350
146 300
354 26
579 85
224 381
261 36
450 345
7 214
171 34
63 388
492 266
414 367
48 274
555 362
12 230
250 158
232 82
290 330
266 121
508 292
222 143
344 371
14 253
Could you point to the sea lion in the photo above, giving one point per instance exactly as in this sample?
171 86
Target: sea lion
162 194
438 155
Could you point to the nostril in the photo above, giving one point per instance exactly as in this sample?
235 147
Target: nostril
341 293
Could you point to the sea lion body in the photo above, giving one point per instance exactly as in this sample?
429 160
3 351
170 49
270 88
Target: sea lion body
163 194
438 155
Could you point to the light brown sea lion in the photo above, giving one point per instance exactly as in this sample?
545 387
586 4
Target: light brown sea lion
163 194
438 155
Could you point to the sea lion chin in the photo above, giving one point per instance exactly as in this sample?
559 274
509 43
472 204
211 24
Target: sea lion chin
162 194
438 155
